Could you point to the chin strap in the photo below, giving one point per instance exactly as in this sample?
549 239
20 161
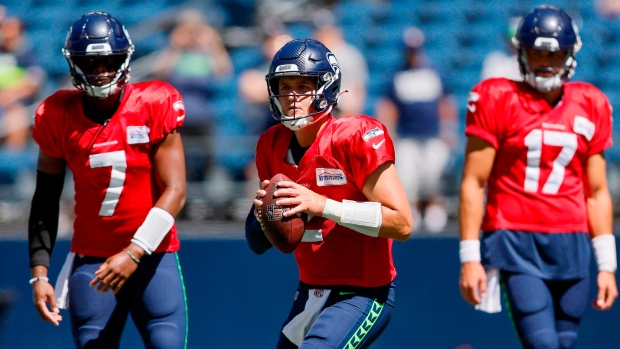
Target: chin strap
298 124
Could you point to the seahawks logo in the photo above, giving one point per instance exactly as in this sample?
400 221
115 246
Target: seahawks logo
334 63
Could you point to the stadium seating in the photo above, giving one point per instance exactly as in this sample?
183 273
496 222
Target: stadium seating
458 36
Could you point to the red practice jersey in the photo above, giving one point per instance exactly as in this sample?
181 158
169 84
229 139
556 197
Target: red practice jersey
115 186
336 165
536 183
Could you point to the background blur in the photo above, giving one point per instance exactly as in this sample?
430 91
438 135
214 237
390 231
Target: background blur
216 52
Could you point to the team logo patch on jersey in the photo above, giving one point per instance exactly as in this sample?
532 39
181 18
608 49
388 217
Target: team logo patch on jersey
275 212
372 134
318 293
330 176
138 134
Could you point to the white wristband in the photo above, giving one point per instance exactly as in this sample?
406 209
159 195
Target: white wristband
155 227
35 279
332 210
363 217
604 247
469 251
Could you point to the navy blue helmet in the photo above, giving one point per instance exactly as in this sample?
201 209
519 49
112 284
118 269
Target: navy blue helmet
98 38
305 57
551 29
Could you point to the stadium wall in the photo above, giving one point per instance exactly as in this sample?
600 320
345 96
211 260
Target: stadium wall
238 300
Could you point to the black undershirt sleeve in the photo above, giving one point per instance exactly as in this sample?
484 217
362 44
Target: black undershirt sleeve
43 221
254 235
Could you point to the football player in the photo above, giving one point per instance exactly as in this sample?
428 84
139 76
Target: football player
343 176
538 146
122 145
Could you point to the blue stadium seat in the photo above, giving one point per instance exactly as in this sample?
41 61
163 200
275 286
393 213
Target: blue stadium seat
388 34
246 57
385 58
352 12
378 83
299 30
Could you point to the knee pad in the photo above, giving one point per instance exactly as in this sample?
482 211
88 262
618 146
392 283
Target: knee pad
543 339
568 339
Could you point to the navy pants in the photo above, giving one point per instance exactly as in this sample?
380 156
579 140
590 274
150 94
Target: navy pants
546 313
154 296
352 318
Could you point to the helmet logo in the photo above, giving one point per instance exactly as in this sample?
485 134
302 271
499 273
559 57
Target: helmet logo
550 44
99 48
286 67
334 63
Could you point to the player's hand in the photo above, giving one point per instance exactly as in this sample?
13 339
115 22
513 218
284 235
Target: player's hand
258 202
607 291
115 271
304 199
43 293
473 282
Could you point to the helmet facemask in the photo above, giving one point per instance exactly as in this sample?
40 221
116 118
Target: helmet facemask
546 83
319 106
80 65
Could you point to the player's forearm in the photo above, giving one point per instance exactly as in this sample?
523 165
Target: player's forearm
38 271
254 235
43 220
172 199
599 210
471 209
158 222
396 224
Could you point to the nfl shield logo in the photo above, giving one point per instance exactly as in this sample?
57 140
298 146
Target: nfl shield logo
274 212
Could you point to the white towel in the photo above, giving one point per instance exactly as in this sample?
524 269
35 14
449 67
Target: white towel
491 302
61 290
299 326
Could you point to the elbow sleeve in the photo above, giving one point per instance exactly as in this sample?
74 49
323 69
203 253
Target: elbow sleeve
43 220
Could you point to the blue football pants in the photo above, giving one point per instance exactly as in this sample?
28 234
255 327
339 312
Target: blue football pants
352 318
546 313
154 296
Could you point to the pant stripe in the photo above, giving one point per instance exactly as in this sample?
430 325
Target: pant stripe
176 256
374 312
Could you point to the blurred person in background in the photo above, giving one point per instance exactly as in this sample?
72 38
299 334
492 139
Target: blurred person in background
122 145
537 147
608 9
20 81
503 63
251 87
419 110
354 65
343 300
193 61
251 82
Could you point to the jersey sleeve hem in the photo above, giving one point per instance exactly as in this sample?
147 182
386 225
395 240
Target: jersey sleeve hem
480 133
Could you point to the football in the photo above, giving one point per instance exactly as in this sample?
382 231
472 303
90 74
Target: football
284 233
